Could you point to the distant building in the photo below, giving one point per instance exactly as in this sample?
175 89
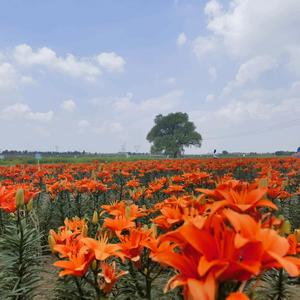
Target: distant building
297 154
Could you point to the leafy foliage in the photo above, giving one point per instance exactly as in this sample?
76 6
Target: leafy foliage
172 133
274 285
20 260
76 289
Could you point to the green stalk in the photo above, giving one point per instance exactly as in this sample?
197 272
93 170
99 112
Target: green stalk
21 232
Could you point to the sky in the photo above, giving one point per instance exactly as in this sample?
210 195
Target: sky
92 75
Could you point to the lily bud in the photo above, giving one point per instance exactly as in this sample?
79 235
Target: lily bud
154 230
145 228
127 212
29 205
94 265
286 227
263 183
84 230
52 243
95 218
19 198
297 234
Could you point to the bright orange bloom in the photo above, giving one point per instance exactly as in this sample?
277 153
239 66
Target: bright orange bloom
155 186
131 211
101 248
77 265
118 224
8 196
7 199
77 254
294 243
75 224
237 296
136 193
169 216
131 245
108 277
211 252
238 195
133 183
174 189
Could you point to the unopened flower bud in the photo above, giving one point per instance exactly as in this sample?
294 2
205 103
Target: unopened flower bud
29 205
286 227
84 230
52 243
297 234
263 183
94 265
154 230
19 198
95 218
127 212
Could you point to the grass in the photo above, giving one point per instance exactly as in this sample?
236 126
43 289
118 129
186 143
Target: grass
14 160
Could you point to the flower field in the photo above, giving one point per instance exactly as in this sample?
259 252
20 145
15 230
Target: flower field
164 229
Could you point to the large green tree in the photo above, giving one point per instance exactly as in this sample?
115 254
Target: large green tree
173 132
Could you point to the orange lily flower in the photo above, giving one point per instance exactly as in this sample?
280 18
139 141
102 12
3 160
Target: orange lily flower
237 296
108 277
131 245
118 224
241 196
101 248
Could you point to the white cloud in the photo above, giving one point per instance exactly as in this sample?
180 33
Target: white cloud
256 110
295 86
171 80
241 110
250 28
10 78
124 103
42 132
111 62
68 105
210 98
150 106
40 116
294 63
83 124
108 127
163 103
21 110
70 65
203 45
181 39
213 8
250 71
212 72
2 57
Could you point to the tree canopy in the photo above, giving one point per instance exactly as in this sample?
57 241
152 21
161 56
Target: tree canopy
173 132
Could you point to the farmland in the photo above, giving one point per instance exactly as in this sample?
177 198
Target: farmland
151 229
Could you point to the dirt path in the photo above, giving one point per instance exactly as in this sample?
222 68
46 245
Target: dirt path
48 280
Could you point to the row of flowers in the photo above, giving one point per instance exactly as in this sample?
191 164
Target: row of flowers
204 229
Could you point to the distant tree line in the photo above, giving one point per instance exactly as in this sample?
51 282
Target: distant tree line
44 153
284 153
26 153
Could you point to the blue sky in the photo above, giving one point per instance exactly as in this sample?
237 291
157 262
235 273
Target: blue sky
92 75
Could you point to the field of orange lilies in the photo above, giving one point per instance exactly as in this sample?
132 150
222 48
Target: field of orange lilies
206 229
